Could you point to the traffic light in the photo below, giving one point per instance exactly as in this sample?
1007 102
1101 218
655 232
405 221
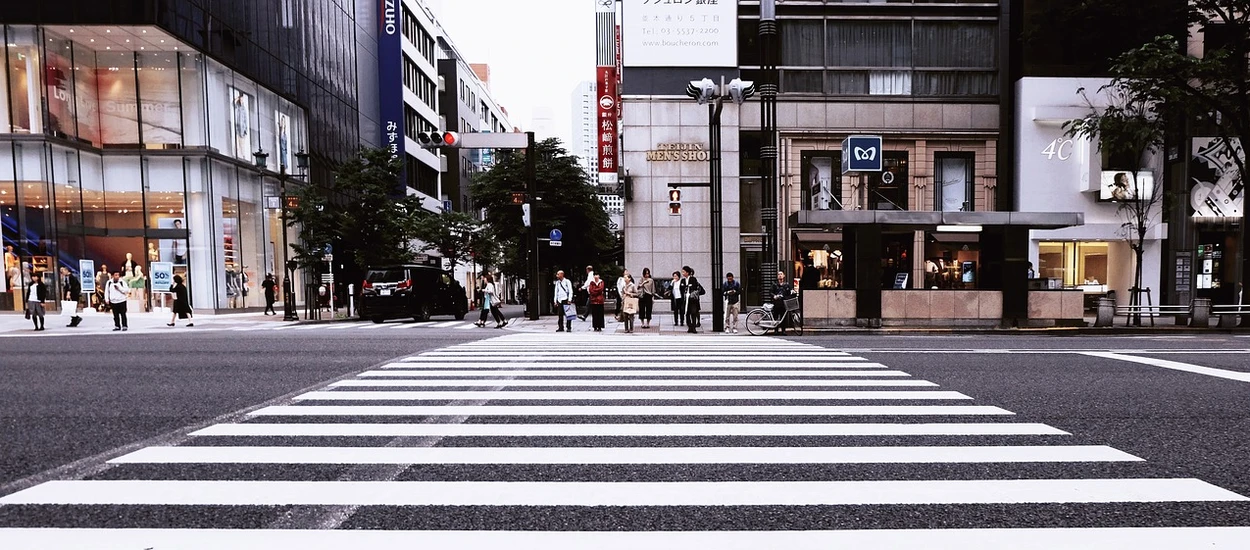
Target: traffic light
432 140
674 202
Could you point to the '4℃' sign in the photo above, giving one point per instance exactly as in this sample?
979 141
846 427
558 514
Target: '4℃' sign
162 276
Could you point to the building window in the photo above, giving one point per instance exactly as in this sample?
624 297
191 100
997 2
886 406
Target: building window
822 180
954 182
887 190
1076 264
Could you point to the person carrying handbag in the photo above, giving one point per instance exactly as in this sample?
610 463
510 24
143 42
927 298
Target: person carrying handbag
629 302
691 289
562 296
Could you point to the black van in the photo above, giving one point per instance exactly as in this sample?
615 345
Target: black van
417 291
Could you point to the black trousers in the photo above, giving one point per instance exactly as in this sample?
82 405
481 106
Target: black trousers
692 316
596 312
645 304
119 314
679 313
269 301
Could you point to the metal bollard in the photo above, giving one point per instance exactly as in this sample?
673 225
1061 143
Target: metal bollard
1106 312
1201 313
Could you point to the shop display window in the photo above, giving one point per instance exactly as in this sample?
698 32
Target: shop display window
952 260
1074 264
23 80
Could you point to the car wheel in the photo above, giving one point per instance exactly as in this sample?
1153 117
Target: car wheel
378 320
460 314
425 312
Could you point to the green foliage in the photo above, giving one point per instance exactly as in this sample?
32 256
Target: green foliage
363 217
566 202
457 236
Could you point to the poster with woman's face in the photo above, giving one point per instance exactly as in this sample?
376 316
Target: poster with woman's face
817 174
240 123
282 138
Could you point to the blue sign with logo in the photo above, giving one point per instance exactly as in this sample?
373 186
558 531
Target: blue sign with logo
556 235
162 276
86 274
861 154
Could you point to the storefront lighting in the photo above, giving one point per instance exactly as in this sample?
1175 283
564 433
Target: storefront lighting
958 229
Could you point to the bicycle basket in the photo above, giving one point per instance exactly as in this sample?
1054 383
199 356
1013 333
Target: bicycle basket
768 307
792 304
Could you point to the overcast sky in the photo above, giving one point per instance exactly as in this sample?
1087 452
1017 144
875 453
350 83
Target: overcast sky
538 50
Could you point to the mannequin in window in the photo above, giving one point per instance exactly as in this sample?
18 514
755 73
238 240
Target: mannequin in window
154 255
177 248
138 285
128 266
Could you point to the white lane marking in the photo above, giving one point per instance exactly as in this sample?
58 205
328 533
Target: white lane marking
340 326
583 395
1099 538
625 455
1174 365
622 354
675 365
373 326
631 372
445 324
466 327
491 383
312 327
567 493
627 410
628 430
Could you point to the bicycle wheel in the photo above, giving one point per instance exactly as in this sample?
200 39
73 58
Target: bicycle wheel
757 322
796 323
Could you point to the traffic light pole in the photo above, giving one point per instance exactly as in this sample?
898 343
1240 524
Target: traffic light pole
533 289
718 231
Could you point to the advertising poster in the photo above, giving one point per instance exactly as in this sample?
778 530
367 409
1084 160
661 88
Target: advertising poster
390 82
240 123
86 275
1215 189
818 180
1119 185
162 276
282 137
119 107
60 96
672 34
88 102
158 98
172 250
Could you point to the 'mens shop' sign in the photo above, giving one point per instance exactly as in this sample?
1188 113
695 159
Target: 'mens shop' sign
678 152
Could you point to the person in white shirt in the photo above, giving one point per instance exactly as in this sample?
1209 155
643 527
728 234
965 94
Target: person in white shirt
562 295
116 292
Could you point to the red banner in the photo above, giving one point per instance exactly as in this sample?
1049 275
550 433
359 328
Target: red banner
606 124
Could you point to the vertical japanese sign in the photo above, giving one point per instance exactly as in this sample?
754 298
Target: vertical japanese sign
606 124
390 81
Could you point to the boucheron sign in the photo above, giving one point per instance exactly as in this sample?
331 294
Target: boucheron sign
678 152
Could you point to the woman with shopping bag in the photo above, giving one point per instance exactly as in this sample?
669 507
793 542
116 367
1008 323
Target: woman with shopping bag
69 301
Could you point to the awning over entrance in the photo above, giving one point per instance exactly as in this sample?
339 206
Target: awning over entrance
902 219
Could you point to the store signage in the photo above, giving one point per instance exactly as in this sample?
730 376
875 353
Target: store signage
606 127
390 85
861 154
162 276
679 152
86 275
669 33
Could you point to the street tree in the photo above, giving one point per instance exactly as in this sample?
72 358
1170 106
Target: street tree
1129 132
565 202
458 237
365 215
1211 92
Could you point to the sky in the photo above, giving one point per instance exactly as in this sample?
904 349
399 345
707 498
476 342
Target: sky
538 51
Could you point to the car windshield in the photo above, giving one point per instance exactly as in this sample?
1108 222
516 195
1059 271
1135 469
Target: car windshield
385 276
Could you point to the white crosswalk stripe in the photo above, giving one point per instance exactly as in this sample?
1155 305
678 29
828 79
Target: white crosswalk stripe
530 434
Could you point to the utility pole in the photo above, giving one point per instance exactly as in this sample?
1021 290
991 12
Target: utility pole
532 298
768 139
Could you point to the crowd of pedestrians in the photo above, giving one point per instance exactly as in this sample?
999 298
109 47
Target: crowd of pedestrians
634 302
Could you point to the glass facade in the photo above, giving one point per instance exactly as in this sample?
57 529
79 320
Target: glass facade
135 155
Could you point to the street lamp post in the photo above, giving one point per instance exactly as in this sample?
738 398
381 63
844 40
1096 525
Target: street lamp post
706 91
288 293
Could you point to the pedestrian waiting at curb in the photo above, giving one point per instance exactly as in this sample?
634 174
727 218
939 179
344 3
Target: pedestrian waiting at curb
691 289
629 302
598 294
731 290
646 297
562 297
116 293
673 290
182 305
36 293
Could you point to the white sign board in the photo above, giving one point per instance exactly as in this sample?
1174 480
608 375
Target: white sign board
162 276
86 275
668 33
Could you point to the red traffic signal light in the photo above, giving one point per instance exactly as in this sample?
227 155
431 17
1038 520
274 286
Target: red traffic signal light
451 139
430 140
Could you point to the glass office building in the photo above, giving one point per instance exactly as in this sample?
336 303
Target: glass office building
128 132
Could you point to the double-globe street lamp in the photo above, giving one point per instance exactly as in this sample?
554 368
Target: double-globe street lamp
707 91
288 293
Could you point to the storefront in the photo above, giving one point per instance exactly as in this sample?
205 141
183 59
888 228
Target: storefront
125 147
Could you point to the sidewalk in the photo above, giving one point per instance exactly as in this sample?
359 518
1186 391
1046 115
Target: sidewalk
15 321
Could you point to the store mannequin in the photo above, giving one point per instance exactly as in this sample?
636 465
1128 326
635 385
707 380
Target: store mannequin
153 254
128 266
138 285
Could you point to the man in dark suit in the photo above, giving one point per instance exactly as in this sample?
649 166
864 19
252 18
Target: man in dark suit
72 288
783 289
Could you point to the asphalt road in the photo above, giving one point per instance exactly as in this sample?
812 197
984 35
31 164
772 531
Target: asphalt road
1143 404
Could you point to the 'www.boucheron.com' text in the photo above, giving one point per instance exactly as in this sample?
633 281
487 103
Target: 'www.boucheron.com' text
671 43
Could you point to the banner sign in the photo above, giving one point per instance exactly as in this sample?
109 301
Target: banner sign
668 33
390 82
86 275
606 126
162 276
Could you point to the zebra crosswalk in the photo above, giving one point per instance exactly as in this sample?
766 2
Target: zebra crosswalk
538 441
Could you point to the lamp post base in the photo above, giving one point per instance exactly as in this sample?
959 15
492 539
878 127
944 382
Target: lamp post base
288 308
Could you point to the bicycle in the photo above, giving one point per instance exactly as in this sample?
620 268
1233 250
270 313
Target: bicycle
760 320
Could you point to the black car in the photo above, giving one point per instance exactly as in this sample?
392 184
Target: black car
417 291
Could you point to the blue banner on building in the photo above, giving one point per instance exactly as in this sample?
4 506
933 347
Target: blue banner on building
390 81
